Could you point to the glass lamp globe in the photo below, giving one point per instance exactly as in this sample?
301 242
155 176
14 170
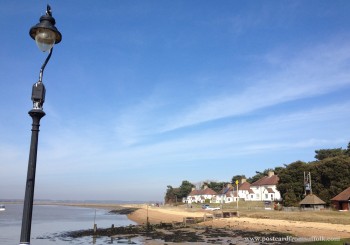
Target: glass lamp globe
45 39
45 33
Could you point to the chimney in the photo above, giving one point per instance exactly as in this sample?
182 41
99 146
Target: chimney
271 173
229 185
205 187
243 180
193 188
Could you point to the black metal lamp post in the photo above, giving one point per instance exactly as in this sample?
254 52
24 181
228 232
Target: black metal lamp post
46 35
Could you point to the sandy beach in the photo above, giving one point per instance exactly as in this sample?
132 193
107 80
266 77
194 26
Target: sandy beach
299 226
300 229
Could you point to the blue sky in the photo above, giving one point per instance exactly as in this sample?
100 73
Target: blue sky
145 94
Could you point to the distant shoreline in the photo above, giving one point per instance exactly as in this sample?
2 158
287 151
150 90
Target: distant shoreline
107 206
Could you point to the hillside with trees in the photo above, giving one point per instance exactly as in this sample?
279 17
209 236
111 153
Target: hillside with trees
330 174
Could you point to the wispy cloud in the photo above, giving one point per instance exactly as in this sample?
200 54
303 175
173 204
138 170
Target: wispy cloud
288 77
274 133
314 72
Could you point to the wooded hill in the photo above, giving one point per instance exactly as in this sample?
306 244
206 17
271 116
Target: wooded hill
330 174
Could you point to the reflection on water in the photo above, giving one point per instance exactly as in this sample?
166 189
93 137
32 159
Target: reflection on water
50 220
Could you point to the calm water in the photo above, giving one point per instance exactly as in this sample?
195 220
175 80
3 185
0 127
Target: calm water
49 220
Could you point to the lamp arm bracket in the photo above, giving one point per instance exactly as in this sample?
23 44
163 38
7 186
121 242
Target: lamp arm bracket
44 65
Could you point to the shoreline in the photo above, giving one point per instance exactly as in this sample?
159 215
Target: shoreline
300 229
167 214
165 227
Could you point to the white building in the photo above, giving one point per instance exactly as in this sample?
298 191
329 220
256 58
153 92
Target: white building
229 193
265 189
244 190
225 195
200 196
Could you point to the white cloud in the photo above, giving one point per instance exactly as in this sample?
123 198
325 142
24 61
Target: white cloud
314 72
306 128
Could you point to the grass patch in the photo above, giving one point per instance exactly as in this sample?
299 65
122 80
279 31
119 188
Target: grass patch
257 210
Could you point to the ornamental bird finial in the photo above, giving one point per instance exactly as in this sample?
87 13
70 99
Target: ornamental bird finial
48 10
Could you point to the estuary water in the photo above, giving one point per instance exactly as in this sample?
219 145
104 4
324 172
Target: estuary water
50 220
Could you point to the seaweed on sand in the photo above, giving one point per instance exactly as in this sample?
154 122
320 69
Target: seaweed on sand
123 210
177 234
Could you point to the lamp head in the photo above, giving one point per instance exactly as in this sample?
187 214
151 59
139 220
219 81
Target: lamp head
45 33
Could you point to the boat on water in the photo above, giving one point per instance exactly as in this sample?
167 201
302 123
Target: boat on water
2 207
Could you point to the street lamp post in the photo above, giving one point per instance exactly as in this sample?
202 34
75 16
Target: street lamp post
45 35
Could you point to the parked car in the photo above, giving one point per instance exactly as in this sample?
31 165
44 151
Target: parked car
207 207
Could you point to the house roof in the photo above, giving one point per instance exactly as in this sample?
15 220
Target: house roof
270 190
244 186
207 191
266 180
225 190
311 199
194 192
342 196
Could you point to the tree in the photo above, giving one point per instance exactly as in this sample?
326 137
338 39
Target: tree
174 195
330 176
215 186
291 182
237 177
290 199
347 152
327 153
185 189
171 195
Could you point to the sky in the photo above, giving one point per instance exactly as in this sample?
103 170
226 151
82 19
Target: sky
145 94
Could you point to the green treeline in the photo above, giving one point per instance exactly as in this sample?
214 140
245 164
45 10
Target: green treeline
174 195
330 175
